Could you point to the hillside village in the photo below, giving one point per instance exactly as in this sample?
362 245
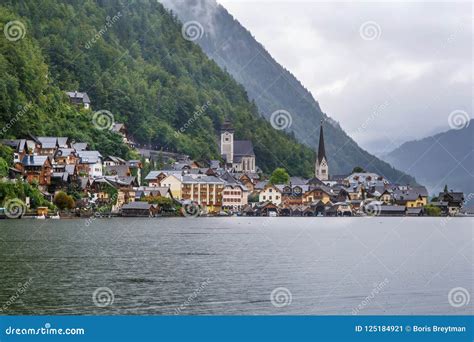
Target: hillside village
76 181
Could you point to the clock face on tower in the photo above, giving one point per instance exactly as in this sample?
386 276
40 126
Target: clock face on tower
297 190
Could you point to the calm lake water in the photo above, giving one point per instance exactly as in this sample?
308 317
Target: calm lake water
237 265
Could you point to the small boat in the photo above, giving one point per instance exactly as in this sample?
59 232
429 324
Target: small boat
40 217
55 217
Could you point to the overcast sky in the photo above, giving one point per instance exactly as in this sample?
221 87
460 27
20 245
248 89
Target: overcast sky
398 69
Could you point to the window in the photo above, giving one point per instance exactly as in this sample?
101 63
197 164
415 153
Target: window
270 198
270 190
264 197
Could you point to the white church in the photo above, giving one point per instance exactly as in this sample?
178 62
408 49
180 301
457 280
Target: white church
237 154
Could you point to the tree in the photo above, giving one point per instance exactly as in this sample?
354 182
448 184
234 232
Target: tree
431 210
63 201
358 169
3 167
279 176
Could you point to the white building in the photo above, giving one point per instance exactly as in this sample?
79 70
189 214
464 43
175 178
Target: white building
238 154
270 193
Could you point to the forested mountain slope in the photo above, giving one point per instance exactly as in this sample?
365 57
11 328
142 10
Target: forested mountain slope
132 60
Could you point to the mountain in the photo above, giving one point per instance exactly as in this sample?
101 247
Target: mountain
271 86
132 60
445 158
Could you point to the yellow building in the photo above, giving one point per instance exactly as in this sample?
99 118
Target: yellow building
175 183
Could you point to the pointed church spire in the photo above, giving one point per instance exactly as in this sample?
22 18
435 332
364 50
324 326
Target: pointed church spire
321 168
321 149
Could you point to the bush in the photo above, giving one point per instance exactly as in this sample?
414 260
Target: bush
63 201
431 210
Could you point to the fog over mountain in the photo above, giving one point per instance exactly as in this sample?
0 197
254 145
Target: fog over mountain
445 158
415 61
274 88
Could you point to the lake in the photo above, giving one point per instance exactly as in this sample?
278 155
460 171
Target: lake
237 266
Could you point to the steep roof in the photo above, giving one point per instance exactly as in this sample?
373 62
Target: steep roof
79 95
34 160
243 148
321 149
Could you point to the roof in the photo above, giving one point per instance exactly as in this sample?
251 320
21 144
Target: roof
89 157
70 168
114 159
152 175
63 175
414 210
298 181
214 164
117 127
64 152
34 160
243 148
79 95
137 205
321 149
80 146
411 194
228 178
119 170
392 208
456 196
196 179
227 126
48 142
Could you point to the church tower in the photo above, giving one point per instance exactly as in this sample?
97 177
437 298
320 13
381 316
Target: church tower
227 142
321 167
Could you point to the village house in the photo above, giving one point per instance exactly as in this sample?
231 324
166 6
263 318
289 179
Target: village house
455 201
416 196
270 193
113 161
79 99
36 169
315 194
235 194
90 163
121 129
204 190
139 209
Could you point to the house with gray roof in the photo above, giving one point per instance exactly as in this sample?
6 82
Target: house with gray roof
79 98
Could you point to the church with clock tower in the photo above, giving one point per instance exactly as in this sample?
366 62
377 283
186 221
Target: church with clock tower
321 167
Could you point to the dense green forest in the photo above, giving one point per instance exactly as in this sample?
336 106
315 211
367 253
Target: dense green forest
132 60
